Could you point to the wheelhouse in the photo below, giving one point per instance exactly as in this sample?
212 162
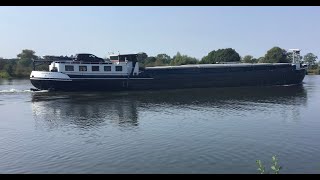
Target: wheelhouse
89 64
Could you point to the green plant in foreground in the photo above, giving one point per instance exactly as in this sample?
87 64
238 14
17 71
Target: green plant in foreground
261 168
274 167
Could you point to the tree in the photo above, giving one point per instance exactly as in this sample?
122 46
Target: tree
254 60
261 60
142 56
276 55
149 61
2 63
221 55
26 57
27 54
249 59
310 59
9 67
179 59
176 59
162 59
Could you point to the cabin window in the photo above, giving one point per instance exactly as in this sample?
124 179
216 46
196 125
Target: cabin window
69 68
82 68
118 68
95 68
107 68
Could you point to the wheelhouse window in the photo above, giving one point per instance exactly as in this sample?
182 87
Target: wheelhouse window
95 68
69 68
82 68
118 68
107 68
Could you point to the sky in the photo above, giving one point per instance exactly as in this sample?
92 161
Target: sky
194 31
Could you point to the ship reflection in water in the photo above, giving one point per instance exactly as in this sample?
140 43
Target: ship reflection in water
92 110
83 110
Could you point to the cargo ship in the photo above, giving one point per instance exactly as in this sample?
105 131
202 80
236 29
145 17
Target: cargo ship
87 72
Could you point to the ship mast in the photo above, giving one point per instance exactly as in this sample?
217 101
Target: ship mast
296 57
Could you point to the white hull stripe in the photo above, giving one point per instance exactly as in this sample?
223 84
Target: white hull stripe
51 79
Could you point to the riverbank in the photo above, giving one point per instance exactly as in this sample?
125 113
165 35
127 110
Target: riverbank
313 71
5 75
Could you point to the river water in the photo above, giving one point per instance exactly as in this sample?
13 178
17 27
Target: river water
222 130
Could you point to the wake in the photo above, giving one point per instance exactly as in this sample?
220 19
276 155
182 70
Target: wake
12 90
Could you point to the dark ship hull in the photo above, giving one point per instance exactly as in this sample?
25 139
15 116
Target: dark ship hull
179 77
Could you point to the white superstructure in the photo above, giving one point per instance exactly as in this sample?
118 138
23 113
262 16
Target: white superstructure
64 69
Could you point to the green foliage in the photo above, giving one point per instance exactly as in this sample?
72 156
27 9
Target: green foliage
25 58
22 71
142 56
274 166
254 60
221 55
314 71
27 54
314 66
43 67
310 59
249 59
159 60
149 61
10 66
25 62
162 59
4 74
261 60
20 67
276 55
289 57
2 63
179 59
261 168
165 60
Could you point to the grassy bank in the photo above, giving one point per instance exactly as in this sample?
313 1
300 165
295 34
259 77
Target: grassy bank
4 75
314 71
